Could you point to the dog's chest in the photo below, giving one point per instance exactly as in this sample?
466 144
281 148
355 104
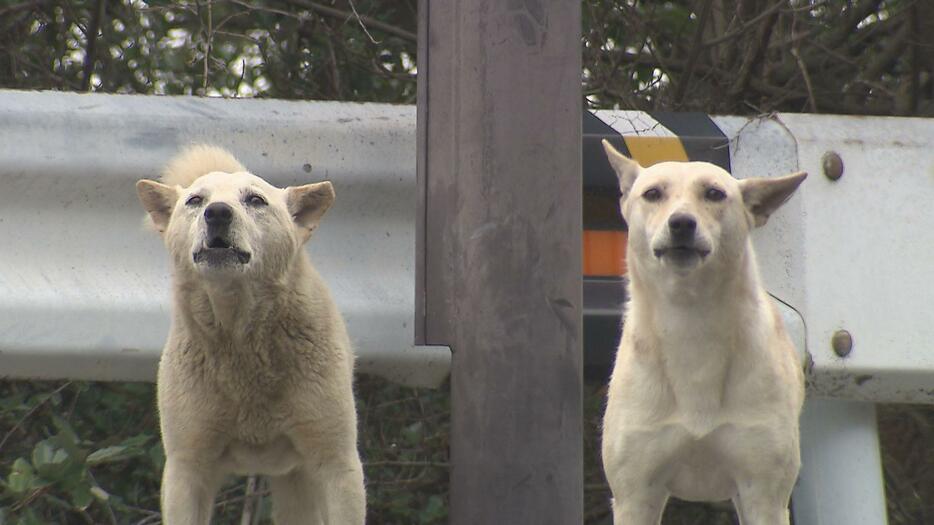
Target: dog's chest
698 371
255 382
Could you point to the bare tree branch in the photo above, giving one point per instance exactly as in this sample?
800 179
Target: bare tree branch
682 87
345 15
90 52
753 56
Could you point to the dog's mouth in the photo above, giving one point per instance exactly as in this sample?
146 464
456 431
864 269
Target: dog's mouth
681 253
219 251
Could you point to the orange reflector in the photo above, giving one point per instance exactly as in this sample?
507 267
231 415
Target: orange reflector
604 253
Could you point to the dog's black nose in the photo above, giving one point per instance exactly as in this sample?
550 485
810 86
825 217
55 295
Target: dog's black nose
682 226
218 214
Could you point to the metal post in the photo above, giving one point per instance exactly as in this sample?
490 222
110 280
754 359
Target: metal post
500 248
841 472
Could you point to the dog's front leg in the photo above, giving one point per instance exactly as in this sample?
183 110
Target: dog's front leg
331 493
188 490
643 507
345 491
762 504
297 498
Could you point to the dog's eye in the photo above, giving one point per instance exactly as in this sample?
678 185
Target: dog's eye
652 194
194 200
255 200
714 195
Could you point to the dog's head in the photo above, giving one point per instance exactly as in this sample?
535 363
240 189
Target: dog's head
682 215
227 225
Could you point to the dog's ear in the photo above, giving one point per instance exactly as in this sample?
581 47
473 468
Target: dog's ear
763 195
158 200
626 169
308 203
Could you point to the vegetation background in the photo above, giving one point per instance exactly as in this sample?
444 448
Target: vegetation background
78 452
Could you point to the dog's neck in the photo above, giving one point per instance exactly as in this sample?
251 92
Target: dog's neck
699 325
232 309
230 303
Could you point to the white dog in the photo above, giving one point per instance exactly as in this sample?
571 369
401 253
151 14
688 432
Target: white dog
256 375
707 388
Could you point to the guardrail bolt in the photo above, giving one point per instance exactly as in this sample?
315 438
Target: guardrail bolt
842 343
832 165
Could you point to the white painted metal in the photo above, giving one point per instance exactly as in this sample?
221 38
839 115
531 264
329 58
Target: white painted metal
870 254
853 254
841 474
84 289
841 478
628 122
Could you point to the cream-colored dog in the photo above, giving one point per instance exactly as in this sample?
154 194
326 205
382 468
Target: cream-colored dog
707 388
256 375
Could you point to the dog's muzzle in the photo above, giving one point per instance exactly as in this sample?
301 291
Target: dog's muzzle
219 250
682 247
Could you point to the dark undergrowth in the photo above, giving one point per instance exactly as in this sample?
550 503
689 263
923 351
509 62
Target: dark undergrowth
89 453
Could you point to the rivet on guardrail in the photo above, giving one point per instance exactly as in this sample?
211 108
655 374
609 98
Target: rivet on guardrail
842 343
832 165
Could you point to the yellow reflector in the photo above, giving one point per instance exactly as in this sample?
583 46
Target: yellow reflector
652 150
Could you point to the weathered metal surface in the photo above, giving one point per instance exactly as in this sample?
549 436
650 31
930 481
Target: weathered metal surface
502 248
853 253
84 289
841 467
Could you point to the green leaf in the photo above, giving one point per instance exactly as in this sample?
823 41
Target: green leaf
29 517
434 511
22 477
413 433
81 496
64 428
48 459
108 455
138 440
100 493
157 456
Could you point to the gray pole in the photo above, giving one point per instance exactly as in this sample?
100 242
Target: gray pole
500 250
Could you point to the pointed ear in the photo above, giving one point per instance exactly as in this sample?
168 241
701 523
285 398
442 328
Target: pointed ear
158 200
308 203
626 169
763 195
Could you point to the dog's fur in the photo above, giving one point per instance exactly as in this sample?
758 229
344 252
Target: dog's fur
705 396
256 375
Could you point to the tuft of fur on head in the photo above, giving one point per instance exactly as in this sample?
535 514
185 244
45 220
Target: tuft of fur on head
193 162
197 160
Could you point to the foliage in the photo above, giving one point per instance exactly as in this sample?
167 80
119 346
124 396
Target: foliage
717 56
758 56
295 49
76 452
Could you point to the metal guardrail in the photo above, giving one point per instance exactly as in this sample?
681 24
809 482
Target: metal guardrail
852 254
84 288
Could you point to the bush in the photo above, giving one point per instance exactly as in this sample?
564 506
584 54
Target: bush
89 453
